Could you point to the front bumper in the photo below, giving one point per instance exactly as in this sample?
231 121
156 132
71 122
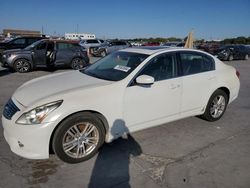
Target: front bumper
28 141
4 62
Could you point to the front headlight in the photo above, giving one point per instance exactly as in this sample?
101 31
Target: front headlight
37 115
7 55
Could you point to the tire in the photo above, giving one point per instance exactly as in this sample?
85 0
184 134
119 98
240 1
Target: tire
77 63
215 111
230 58
246 57
22 65
103 53
73 146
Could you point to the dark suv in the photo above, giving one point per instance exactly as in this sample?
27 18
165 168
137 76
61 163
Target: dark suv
232 52
46 53
18 43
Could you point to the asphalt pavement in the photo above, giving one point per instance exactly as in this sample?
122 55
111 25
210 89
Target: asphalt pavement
185 153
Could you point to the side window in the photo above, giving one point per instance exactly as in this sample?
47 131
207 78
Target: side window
161 67
32 40
92 41
193 63
41 46
18 41
122 43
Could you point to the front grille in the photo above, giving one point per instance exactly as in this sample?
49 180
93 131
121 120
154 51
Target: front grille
10 109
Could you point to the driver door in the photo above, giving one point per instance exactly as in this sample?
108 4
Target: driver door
160 100
39 54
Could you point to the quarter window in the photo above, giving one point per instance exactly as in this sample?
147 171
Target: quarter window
193 63
161 67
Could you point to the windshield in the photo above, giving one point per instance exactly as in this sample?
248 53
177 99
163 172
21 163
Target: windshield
32 45
115 66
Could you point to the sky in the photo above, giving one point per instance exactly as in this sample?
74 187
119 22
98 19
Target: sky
209 19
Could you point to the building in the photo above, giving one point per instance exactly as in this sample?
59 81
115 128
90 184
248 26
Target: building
18 32
77 36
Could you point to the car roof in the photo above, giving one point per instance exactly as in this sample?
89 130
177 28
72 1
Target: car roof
149 50
62 41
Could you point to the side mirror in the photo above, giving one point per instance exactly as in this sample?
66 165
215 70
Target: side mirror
145 80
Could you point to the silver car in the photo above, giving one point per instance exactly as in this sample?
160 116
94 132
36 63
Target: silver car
107 48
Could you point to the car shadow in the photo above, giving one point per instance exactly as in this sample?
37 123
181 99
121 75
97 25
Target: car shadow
111 168
5 72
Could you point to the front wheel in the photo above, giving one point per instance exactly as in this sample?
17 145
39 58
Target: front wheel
216 106
22 65
78 138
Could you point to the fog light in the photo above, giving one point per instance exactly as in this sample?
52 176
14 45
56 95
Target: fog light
20 144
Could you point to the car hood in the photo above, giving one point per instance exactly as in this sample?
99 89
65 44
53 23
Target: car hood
48 86
11 51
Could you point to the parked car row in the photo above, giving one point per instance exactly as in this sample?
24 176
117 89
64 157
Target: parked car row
46 53
227 52
233 52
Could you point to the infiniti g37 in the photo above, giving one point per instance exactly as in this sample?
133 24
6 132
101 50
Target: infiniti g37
75 112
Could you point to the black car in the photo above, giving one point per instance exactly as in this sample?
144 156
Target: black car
233 52
18 43
46 53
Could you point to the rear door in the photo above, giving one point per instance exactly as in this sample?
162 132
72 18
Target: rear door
64 53
198 72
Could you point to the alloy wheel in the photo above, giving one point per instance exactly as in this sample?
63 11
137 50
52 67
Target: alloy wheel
22 66
218 106
80 140
77 63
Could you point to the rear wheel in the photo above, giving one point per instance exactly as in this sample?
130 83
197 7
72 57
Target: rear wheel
78 63
78 138
216 106
22 65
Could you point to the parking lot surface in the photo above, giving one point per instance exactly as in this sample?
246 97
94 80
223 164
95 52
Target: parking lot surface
186 153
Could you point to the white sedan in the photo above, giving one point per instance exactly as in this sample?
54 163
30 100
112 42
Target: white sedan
76 112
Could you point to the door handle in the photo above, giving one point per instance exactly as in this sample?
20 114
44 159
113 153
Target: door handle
175 86
211 77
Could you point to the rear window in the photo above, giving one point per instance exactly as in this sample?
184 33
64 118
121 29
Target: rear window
193 63
62 46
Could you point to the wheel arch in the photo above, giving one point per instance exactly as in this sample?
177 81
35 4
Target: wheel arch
226 90
23 57
100 116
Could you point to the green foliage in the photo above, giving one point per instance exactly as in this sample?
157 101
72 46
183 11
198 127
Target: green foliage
238 40
158 39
